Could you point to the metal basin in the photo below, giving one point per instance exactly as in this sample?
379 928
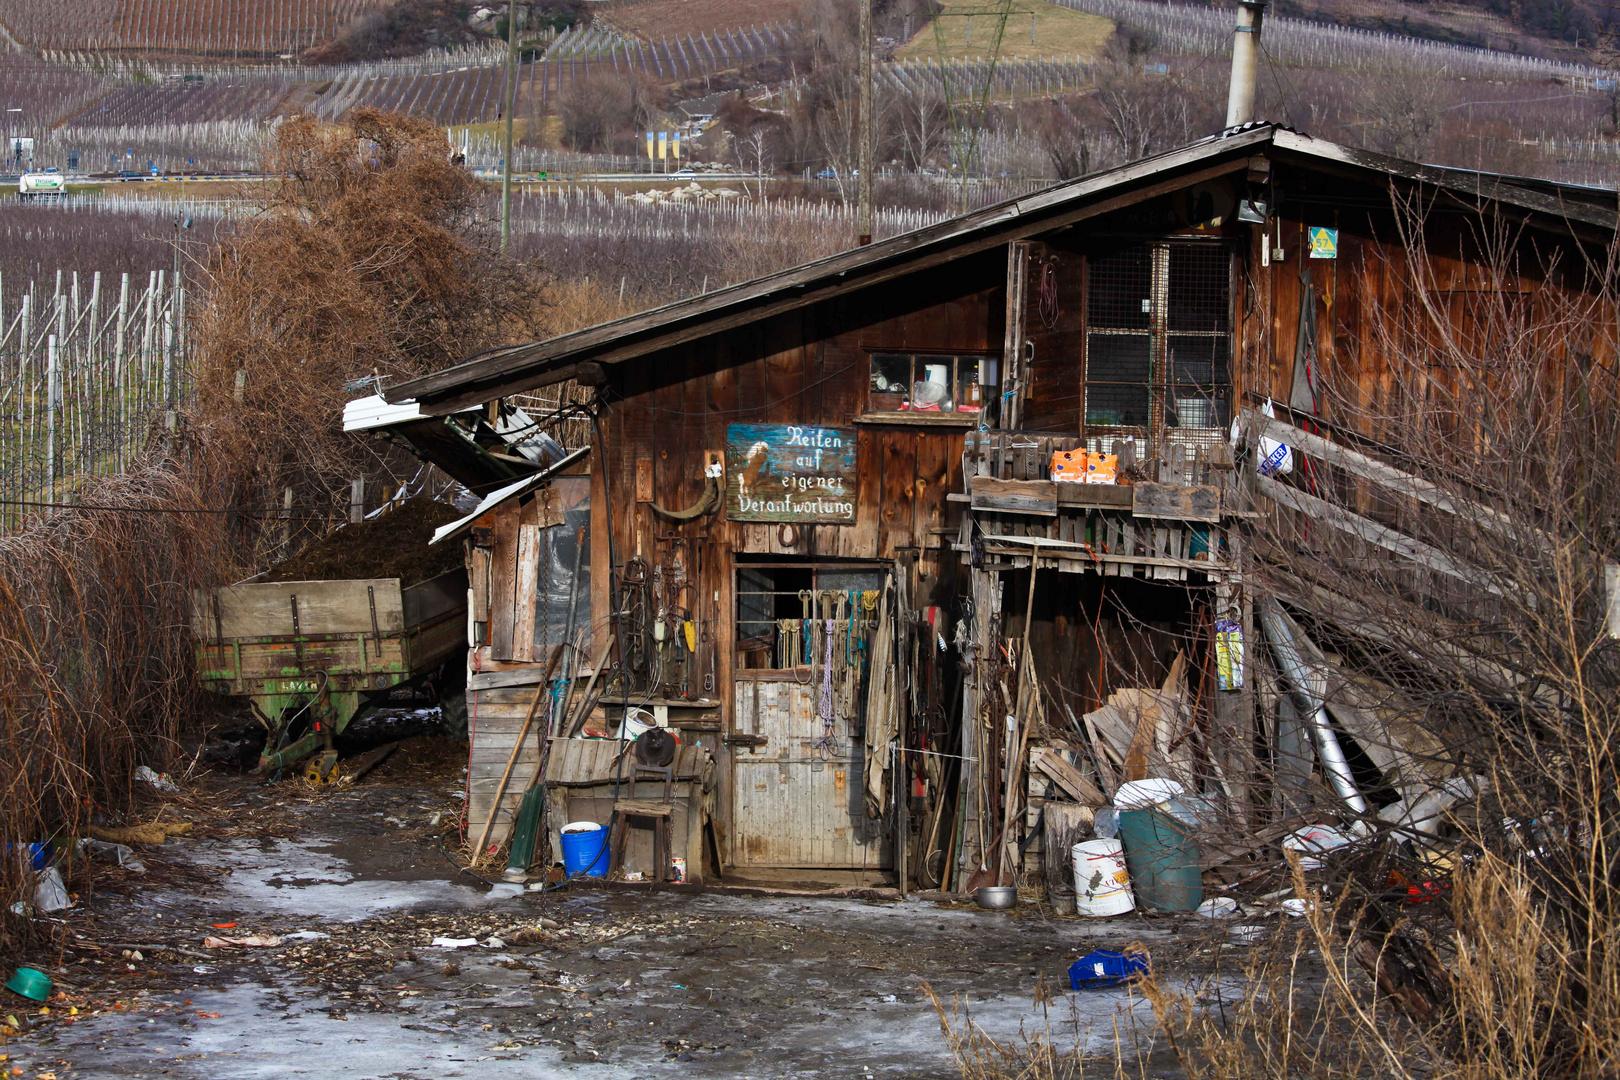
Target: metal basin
997 897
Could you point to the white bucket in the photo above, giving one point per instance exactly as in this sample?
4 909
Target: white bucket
636 722
1101 884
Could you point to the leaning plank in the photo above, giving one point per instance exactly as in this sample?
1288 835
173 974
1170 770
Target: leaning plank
1419 639
1396 480
1374 533
1068 778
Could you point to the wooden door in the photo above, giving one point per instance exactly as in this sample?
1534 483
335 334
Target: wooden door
798 799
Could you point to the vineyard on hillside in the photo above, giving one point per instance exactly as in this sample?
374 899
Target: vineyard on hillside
226 29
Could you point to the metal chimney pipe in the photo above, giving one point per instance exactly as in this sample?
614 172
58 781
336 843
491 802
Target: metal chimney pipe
1245 62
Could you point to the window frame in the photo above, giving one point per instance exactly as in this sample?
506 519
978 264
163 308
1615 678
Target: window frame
1161 381
955 417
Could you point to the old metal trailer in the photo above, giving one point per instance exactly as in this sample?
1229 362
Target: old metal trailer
310 655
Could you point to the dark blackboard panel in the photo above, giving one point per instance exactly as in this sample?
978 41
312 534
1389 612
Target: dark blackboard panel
790 472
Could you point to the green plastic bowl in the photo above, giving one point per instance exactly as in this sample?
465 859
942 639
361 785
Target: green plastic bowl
30 983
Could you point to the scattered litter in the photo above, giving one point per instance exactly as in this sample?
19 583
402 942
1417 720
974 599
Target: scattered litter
505 891
1105 825
160 781
1218 907
251 941
890 998
133 954
1316 839
1296 907
304 935
1104 968
224 926
493 943
454 942
49 892
1244 934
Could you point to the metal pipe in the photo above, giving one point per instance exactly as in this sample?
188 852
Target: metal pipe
1310 687
1245 62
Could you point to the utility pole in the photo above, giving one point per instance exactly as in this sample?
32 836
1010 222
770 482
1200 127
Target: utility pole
863 204
511 103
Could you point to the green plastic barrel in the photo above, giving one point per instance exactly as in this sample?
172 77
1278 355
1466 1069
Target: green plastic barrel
1162 858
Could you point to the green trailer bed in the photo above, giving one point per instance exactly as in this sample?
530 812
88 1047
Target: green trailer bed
323 647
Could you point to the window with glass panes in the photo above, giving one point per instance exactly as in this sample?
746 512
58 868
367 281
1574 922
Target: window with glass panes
924 382
1159 337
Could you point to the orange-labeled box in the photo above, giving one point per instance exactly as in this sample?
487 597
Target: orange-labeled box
1102 468
1069 466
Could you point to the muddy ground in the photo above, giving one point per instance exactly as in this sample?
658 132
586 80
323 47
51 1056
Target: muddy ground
589 981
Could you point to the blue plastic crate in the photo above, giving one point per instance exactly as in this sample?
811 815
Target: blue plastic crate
1104 968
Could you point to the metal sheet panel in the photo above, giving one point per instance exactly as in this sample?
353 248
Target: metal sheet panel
796 804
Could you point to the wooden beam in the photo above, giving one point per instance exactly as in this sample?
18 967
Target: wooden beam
1069 778
1017 496
1176 502
1396 480
1374 533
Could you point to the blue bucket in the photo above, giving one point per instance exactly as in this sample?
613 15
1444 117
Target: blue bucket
584 849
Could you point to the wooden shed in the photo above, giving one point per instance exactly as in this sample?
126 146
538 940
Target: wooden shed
821 511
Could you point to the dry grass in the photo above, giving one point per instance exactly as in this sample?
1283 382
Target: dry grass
96 669
1059 31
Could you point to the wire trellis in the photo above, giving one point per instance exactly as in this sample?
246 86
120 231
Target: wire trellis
86 369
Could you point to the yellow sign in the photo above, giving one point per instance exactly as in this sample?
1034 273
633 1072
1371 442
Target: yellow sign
663 145
1324 242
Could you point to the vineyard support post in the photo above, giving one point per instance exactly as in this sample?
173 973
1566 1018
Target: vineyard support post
53 399
863 216
118 369
510 101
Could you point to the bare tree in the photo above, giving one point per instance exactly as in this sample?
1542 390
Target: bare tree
920 122
1400 114
595 109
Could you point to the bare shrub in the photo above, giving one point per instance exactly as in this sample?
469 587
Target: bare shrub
1476 940
368 258
96 668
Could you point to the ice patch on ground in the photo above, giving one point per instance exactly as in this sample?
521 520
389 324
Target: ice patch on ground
258 1036
300 878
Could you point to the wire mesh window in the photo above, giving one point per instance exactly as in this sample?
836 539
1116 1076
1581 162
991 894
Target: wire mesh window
1158 337
1198 335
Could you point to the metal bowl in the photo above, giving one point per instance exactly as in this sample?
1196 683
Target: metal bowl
997 897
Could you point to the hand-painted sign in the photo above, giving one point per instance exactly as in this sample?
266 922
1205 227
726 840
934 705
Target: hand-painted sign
790 472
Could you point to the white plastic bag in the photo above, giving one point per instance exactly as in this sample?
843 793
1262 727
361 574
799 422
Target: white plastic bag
49 892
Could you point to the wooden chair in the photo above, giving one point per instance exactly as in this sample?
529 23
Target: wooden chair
660 811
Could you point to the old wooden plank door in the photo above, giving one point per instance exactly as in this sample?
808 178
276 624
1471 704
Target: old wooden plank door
797 802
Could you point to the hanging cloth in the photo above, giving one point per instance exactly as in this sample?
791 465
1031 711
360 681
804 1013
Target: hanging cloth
1304 397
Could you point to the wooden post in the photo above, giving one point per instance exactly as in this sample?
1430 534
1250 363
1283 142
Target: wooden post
509 97
1013 375
119 375
286 519
53 399
357 498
